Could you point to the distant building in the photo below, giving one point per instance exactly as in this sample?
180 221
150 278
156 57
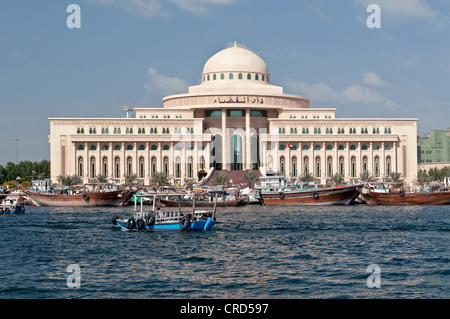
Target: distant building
235 119
434 147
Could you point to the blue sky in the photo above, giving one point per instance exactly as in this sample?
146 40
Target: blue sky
125 50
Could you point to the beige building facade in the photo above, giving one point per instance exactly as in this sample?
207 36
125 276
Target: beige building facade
234 120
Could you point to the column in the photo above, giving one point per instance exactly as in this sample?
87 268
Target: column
394 158
124 162
383 160
111 161
225 150
336 159
349 163
323 164
247 140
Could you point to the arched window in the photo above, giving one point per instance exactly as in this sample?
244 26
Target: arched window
117 147
282 147
142 147
207 77
81 148
154 147
105 147
93 147
222 76
317 148
129 147
352 147
364 147
249 76
256 77
240 76
263 78
230 76
376 147
214 77
387 147
341 147
305 147
166 147
329 147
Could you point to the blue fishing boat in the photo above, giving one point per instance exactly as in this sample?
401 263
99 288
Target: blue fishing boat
10 205
168 219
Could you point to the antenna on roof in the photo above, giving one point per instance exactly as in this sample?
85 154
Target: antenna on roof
127 108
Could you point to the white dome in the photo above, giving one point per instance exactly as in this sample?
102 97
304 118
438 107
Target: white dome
235 59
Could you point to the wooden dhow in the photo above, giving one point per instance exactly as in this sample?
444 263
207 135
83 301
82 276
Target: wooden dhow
402 197
84 198
274 191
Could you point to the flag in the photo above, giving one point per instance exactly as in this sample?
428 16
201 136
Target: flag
290 146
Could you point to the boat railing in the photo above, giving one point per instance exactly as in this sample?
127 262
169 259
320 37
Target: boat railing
165 215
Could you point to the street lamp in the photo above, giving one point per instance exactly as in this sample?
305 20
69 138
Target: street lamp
17 150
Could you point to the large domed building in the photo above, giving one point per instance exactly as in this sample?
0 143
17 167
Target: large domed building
234 120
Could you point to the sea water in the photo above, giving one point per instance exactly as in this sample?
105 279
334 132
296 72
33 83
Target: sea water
252 252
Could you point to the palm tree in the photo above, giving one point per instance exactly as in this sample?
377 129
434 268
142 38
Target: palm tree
307 177
160 179
337 179
366 177
422 177
101 178
130 179
69 180
249 177
221 179
395 177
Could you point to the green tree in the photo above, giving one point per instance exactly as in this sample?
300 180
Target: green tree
366 176
395 177
221 179
307 177
249 177
160 179
337 179
69 180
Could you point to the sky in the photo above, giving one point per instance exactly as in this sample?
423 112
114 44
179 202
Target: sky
138 51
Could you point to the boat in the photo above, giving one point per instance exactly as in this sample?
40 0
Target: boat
12 205
79 197
405 196
201 203
274 191
167 219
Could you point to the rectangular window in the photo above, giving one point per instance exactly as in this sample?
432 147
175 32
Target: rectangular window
235 113
258 113
213 113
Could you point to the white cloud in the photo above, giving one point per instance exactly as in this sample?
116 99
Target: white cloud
142 8
164 85
200 6
373 79
402 8
352 94
153 8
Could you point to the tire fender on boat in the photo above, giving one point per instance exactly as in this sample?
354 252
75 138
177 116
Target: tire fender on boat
114 219
140 224
402 193
7 210
85 196
316 195
282 195
185 223
131 223
150 220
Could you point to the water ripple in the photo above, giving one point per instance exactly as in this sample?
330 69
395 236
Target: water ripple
252 252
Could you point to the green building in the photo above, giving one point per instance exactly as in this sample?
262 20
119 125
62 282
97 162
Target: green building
434 147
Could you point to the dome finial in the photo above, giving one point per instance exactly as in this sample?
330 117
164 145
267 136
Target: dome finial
235 44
